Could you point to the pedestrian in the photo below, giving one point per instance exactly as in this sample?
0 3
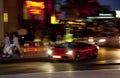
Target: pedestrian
16 45
15 40
6 44
10 51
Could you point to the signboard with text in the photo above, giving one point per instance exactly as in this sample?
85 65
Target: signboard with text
35 7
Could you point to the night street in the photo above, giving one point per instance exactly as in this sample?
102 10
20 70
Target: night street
108 59
59 39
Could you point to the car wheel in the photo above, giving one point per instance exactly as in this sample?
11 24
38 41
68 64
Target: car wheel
49 58
77 56
95 54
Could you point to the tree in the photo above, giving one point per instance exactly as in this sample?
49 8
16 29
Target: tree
83 8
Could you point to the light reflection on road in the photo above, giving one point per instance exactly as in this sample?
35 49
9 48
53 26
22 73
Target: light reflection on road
109 54
106 56
51 67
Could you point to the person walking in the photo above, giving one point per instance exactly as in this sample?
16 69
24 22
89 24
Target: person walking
15 40
6 44
16 45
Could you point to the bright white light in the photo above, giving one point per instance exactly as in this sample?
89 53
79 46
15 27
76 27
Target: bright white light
56 56
22 37
49 52
91 39
70 52
101 14
97 46
102 40
117 13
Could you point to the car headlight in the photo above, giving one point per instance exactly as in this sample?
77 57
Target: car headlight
49 52
102 40
91 39
70 52
97 46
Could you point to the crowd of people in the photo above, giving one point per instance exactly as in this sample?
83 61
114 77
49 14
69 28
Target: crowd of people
11 46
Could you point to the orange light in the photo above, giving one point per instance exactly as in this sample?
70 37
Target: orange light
35 4
35 7
34 11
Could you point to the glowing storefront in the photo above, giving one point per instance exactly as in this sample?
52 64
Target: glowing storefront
34 15
36 11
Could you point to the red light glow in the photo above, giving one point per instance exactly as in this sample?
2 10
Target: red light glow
35 7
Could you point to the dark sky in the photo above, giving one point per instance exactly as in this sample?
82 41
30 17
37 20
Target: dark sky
115 4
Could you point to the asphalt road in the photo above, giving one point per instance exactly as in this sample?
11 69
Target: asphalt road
107 64
77 74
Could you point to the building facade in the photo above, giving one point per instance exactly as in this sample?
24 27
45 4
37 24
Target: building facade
1 21
18 14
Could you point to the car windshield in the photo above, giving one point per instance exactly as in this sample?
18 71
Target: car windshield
66 45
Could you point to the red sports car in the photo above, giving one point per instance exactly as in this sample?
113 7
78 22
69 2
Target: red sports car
72 51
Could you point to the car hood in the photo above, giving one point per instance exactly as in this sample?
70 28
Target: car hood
59 51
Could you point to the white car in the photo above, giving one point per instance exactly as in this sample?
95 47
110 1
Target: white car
105 39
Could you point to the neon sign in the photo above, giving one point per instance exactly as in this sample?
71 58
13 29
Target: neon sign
35 7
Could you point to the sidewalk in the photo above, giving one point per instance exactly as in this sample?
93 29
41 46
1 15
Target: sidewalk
27 57
28 54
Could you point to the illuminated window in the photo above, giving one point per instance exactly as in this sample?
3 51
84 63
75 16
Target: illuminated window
53 19
5 17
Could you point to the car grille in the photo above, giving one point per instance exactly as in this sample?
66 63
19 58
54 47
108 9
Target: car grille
65 57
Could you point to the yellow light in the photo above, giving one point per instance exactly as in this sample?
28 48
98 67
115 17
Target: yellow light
25 13
5 17
37 40
53 19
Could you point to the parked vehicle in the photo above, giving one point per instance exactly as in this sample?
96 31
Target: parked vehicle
31 47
